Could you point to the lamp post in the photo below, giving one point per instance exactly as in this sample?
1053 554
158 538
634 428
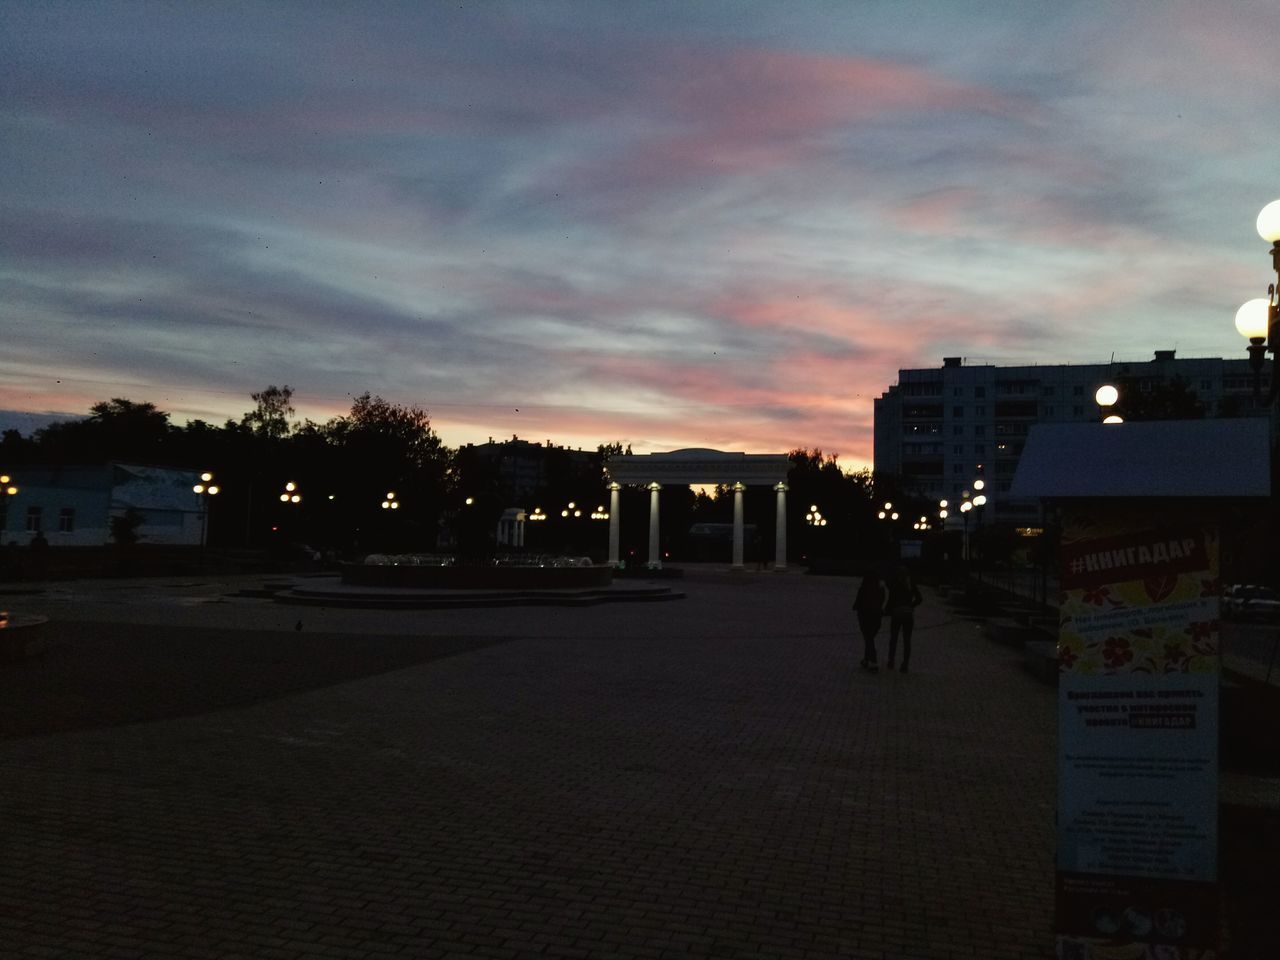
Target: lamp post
979 501
206 488
1257 320
8 489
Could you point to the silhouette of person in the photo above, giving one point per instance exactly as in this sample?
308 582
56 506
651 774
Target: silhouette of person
904 597
868 605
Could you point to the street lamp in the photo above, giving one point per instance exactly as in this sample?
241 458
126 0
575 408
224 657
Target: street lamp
1106 397
8 488
291 494
815 518
1257 319
391 503
206 488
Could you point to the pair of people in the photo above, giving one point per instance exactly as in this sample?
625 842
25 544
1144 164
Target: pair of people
899 602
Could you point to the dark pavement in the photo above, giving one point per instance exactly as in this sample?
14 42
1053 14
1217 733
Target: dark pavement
707 778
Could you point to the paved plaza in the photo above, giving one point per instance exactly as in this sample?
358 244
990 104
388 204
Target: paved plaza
712 777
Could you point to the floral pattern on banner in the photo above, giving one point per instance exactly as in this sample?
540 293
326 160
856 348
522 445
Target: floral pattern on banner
1161 624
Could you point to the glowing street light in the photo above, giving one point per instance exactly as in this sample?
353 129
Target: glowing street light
206 488
1259 320
391 503
9 489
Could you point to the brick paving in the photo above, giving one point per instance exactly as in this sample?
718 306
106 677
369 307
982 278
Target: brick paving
707 778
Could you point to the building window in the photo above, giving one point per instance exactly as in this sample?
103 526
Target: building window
33 519
958 468
979 431
1048 411
957 391
957 431
1077 411
957 412
979 411
979 392
957 448
1048 391
67 520
980 449
1077 391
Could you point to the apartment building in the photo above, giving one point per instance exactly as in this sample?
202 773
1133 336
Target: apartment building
938 428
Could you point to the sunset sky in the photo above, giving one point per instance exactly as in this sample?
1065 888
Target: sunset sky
671 224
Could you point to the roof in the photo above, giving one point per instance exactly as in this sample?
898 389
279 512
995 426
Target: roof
1158 458
699 465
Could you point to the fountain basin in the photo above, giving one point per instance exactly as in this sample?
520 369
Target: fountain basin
500 576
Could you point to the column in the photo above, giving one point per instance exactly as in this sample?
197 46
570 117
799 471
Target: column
655 551
780 538
737 525
615 519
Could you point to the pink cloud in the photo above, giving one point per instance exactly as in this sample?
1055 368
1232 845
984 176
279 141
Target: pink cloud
754 110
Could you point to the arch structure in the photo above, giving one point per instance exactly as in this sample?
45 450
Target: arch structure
653 471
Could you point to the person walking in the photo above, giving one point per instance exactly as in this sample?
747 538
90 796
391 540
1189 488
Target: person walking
904 597
868 605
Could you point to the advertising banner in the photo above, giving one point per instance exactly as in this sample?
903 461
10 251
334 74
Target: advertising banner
1137 740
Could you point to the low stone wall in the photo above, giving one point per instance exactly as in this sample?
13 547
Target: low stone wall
476 578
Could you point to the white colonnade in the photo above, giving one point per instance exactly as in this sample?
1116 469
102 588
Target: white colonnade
694 467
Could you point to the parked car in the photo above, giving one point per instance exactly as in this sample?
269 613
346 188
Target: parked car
1247 601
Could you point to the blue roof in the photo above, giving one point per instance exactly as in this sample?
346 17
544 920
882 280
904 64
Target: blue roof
1156 458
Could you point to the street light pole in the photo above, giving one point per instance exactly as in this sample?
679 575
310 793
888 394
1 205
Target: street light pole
206 489
1258 321
7 489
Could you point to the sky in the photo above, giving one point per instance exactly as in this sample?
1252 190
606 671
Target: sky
721 225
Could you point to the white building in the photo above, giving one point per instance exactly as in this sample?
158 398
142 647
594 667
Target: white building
936 427
73 506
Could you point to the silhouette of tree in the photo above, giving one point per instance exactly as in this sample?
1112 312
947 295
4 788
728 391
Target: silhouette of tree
380 447
116 429
270 418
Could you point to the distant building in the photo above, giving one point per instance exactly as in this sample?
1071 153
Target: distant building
937 426
73 506
520 466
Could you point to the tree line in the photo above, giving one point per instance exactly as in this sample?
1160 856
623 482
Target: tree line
343 470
